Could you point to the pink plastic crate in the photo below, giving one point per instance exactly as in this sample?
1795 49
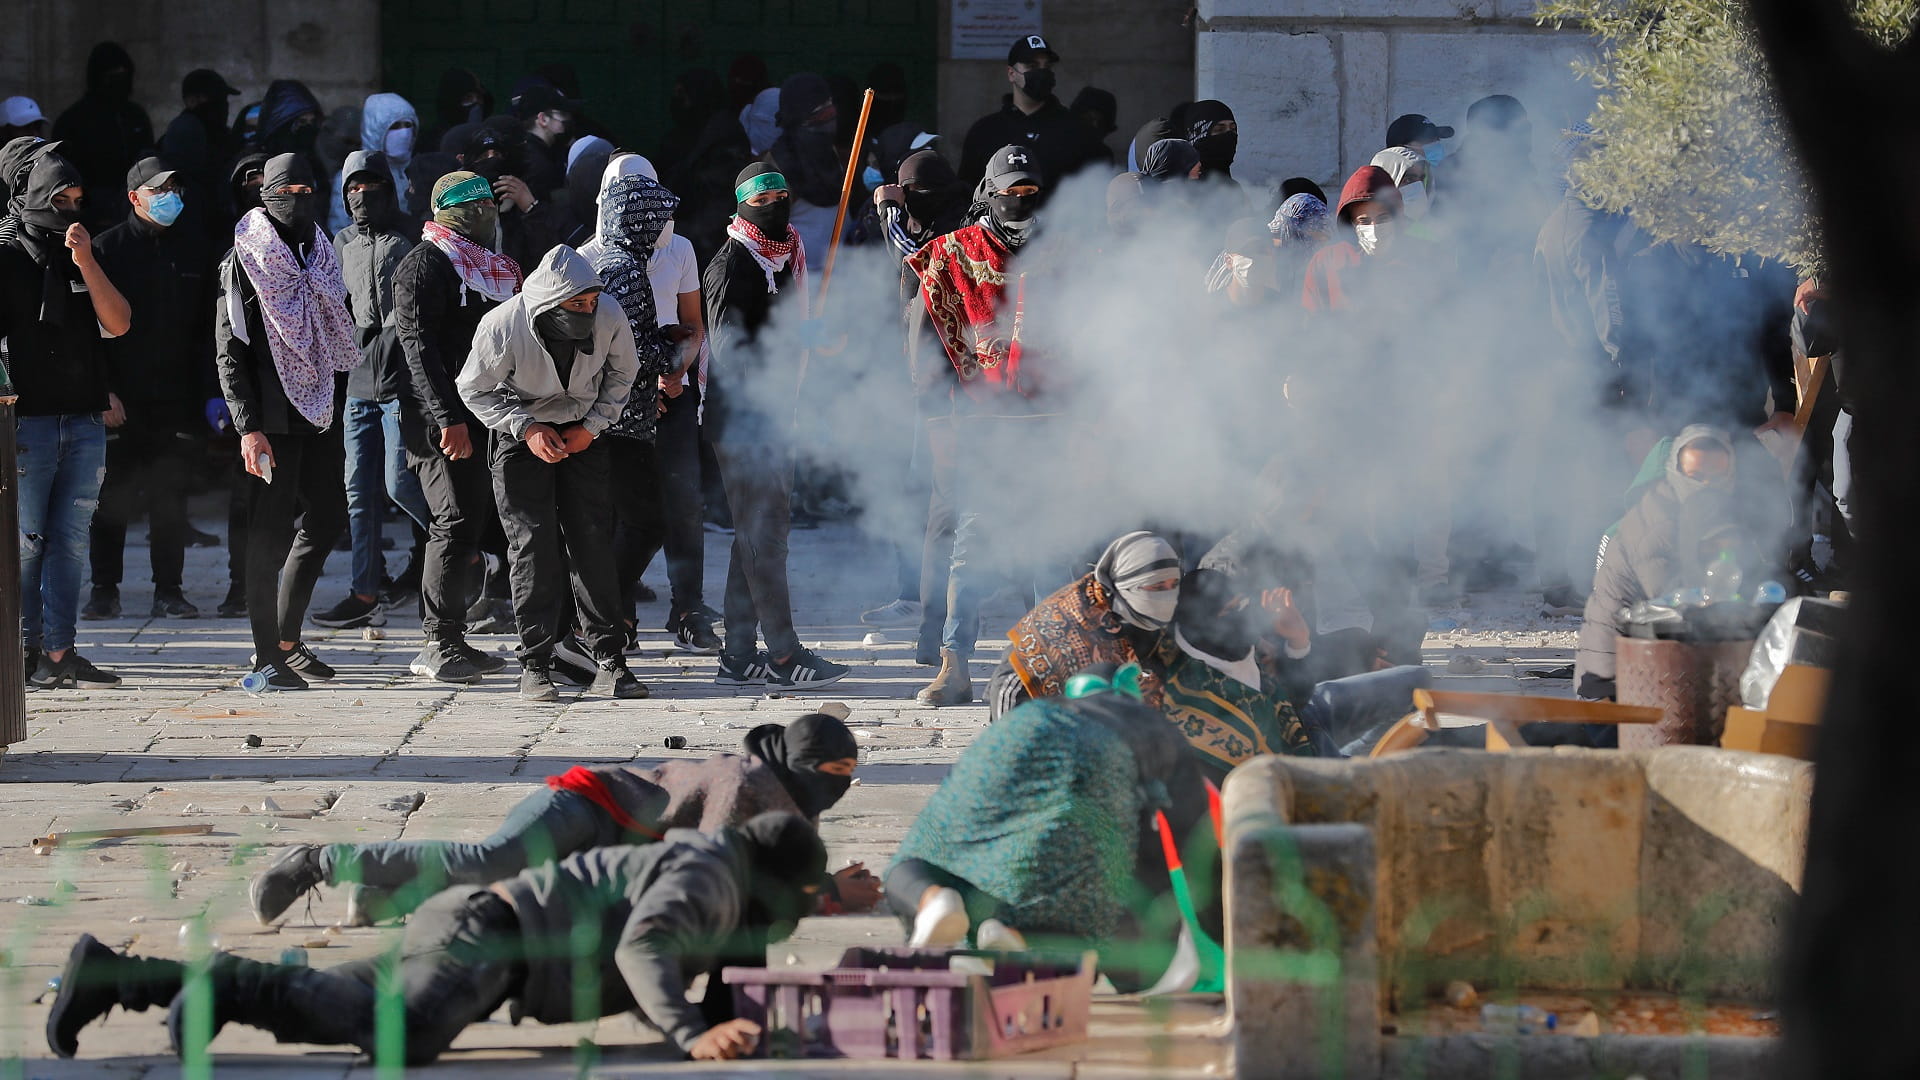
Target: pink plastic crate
906 1004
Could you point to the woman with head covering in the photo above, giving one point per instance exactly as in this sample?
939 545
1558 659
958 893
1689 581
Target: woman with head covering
1150 132
1037 832
1299 228
1171 159
1117 615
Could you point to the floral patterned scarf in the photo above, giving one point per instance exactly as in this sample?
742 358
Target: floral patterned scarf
303 305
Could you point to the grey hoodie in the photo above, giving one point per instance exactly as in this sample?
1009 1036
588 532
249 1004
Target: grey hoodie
509 380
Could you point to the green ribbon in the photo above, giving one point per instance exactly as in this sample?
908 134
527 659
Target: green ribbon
754 185
1125 681
465 191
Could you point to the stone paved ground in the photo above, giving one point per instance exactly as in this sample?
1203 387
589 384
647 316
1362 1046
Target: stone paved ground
379 754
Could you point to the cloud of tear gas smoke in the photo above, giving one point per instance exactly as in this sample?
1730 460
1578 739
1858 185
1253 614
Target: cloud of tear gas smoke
1451 408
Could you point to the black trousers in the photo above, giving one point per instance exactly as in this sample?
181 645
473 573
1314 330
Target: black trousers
460 498
758 478
147 468
284 563
639 516
556 521
683 502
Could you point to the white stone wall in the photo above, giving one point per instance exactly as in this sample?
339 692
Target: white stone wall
1314 83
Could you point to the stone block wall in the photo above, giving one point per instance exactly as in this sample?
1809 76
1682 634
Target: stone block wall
1314 83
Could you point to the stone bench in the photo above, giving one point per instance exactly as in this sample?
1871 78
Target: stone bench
1356 889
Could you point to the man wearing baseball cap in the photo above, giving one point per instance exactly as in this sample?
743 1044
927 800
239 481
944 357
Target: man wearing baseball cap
1416 132
1029 116
161 375
21 116
549 117
198 142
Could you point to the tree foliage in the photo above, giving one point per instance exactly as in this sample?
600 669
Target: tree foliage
1689 138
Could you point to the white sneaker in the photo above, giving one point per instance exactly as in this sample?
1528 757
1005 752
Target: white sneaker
941 923
898 613
996 936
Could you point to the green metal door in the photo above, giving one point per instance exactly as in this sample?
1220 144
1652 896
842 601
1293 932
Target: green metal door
627 52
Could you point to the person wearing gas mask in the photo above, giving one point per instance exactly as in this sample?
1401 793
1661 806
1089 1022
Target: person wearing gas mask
371 249
442 288
388 127
106 131
282 336
1029 116
530 225
549 372
57 307
664 913
759 278
970 291
161 371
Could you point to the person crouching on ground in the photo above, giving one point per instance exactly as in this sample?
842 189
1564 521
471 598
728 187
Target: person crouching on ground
550 371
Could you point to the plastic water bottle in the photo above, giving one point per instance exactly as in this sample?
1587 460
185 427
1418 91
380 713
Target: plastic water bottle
1517 1019
254 682
1723 578
1769 592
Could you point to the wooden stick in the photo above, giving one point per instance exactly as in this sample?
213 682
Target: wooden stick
44 844
846 194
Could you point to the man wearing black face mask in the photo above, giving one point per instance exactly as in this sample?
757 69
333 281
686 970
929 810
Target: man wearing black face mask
56 305
105 132
1031 117
281 336
198 142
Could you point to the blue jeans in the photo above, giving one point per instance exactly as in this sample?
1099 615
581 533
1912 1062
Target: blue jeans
63 459
376 469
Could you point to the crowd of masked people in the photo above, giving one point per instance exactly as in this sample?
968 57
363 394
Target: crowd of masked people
499 325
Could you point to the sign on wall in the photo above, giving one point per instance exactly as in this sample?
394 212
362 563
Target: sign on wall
982 29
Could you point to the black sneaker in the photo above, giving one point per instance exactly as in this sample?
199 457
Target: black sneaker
571 662
805 671
267 678
30 663
301 661
103 604
443 662
172 604
352 613
72 671
742 670
490 615
196 538
486 663
613 679
290 877
235 605
535 683
694 634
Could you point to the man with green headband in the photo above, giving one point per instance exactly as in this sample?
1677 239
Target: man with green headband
441 290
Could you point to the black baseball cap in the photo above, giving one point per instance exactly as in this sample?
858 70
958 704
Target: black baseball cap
1026 48
207 83
148 172
543 98
1413 128
1012 165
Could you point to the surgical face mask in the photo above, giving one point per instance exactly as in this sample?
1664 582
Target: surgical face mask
872 178
666 237
1435 153
562 324
1374 237
1413 199
164 207
1038 83
399 143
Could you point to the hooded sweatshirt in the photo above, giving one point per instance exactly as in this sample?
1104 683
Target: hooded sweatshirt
105 132
632 215
370 253
54 347
380 113
510 381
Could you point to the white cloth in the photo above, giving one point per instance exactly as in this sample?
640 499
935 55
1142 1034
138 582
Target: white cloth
672 271
1245 671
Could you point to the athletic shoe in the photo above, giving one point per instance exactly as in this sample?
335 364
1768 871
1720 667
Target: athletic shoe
490 615
72 670
289 878
742 670
571 662
1562 600
487 663
278 678
172 604
103 604
693 633
351 614
612 679
898 613
30 663
805 671
196 538
235 605
941 922
306 665
535 683
443 662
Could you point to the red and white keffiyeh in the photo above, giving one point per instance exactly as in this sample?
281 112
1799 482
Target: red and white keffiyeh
489 273
774 256
309 333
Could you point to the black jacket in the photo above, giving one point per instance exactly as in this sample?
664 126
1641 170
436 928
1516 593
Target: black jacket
1062 142
57 370
738 305
435 316
368 260
248 378
162 367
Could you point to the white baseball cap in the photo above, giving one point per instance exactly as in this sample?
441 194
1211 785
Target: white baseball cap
20 111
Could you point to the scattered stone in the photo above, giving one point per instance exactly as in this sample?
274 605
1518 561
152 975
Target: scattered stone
255 740
875 638
836 709
1461 663
233 712
317 943
268 806
137 919
1587 1028
372 633
357 703
123 804
774 695
103 858
1462 995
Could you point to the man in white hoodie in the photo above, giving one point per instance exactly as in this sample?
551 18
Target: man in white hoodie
550 371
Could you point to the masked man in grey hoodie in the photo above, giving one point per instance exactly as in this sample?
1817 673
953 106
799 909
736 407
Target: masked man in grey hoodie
550 371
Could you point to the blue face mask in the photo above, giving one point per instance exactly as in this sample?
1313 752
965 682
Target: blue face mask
872 178
165 208
1435 153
